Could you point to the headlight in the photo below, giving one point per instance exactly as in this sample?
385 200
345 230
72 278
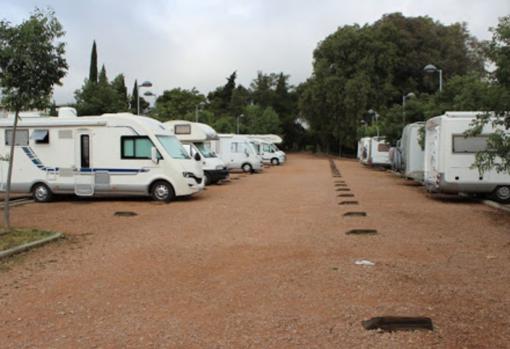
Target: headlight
220 167
188 175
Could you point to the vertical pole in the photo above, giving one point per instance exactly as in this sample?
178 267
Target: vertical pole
137 100
404 109
440 80
7 221
196 113
238 124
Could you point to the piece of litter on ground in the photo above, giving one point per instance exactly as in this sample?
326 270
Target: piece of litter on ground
363 262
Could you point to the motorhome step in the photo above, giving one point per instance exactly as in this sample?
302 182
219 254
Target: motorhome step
345 195
125 214
398 323
348 203
355 214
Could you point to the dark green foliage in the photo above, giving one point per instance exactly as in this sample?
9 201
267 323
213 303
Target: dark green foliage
93 64
178 104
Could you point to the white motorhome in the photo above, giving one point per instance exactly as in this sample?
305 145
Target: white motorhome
412 152
196 138
111 154
449 156
363 150
271 138
268 151
237 152
374 151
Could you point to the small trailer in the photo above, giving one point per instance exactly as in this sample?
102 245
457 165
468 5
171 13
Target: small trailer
111 154
237 153
268 151
196 138
450 155
412 152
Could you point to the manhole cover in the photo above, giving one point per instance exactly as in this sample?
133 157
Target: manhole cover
355 214
345 195
125 214
361 232
348 203
396 323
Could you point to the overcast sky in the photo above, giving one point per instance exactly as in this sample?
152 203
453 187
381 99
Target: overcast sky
198 44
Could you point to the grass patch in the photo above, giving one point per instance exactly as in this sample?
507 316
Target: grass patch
19 237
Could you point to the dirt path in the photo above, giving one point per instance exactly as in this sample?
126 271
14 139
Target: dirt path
262 262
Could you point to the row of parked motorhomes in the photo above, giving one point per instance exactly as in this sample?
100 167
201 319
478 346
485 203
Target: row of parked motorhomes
445 163
125 154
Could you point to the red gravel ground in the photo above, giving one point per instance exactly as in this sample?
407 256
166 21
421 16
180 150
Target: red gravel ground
262 262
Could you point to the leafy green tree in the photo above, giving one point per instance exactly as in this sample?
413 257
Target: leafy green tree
93 64
260 120
221 97
31 62
178 104
97 98
121 100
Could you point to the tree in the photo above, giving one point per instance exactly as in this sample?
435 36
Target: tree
98 98
93 64
31 63
178 104
133 104
121 99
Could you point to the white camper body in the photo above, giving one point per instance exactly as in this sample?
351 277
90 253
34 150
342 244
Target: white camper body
237 153
275 139
375 152
268 151
363 150
112 154
412 153
196 138
449 156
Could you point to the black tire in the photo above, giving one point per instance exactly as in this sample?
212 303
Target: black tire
207 180
162 191
502 194
247 168
42 193
275 162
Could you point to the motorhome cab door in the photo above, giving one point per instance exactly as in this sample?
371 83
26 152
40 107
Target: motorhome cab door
84 176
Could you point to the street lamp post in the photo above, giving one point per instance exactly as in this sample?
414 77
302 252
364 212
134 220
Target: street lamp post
404 99
375 116
144 84
430 68
238 117
198 107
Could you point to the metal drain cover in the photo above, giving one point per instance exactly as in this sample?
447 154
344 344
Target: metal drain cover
348 203
361 232
125 214
355 214
345 195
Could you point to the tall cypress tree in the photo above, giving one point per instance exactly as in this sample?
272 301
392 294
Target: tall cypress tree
134 97
93 64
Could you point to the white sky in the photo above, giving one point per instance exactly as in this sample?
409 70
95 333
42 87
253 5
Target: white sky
198 44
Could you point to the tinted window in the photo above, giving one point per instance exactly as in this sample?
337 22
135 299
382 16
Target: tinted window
41 136
21 137
85 151
462 144
135 147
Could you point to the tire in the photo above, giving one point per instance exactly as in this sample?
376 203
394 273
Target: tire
275 162
207 180
247 168
502 193
162 191
41 193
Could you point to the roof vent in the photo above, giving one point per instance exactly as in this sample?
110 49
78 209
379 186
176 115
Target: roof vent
67 112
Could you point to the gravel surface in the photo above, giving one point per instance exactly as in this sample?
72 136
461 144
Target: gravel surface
262 262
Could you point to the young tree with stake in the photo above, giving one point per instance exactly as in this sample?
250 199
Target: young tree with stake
31 63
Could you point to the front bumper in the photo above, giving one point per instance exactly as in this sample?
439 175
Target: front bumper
216 175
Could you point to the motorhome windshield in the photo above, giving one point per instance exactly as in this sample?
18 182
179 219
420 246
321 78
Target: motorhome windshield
275 148
256 147
173 147
205 150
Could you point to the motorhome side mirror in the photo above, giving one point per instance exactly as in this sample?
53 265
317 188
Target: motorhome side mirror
198 157
246 153
154 155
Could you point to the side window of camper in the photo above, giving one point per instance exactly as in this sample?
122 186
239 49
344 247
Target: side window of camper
234 147
383 148
467 145
135 147
41 136
266 148
21 137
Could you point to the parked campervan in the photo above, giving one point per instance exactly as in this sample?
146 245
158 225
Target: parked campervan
412 152
111 154
237 152
271 138
363 149
450 155
196 139
268 151
378 152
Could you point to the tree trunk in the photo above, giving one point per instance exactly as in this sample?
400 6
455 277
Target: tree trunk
7 221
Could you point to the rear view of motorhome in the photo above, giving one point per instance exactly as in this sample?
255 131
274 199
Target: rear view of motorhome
450 155
374 151
196 138
412 152
112 154
237 153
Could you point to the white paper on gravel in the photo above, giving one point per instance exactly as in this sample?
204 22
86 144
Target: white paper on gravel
364 262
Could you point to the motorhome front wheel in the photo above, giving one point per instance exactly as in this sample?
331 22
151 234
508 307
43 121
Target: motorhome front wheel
247 168
275 162
162 191
41 193
502 193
